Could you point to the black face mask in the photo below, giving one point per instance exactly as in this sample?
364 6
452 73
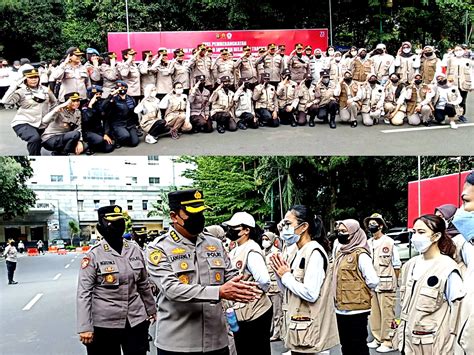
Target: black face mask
111 230
428 54
299 54
373 229
348 80
288 77
372 82
418 82
194 224
122 92
395 81
201 85
363 56
233 234
318 56
247 85
442 82
343 238
308 83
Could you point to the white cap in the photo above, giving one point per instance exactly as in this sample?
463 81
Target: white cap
380 46
241 218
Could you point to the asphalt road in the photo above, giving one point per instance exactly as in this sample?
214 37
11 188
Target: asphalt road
381 139
48 325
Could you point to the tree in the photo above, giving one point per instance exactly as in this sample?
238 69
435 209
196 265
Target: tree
161 207
74 230
15 197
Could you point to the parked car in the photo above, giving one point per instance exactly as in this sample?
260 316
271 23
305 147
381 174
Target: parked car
58 243
402 239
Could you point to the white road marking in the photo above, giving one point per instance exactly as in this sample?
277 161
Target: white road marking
32 302
414 129
67 266
57 277
72 260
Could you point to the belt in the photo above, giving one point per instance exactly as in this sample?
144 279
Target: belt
420 332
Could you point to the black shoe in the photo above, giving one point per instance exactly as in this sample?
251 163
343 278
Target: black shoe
427 123
220 129
117 146
463 119
293 124
376 121
332 124
353 124
261 124
12 283
311 123
90 152
241 125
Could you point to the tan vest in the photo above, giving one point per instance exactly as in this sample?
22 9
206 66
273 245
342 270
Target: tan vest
459 241
345 95
222 102
352 293
306 96
427 323
361 70
326 92
372 97
428 69
176 106
382 260
416 97
274 289
310 327
458 70
252 310
265 97
286 93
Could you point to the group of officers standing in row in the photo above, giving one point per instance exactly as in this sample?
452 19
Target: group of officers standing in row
104 103
330 288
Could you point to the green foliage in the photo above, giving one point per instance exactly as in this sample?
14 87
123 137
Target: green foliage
160 208
15 197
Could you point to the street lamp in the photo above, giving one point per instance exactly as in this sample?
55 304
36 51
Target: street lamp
330 23
128 28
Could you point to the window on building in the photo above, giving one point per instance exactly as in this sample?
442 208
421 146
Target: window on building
145 205
130 205
112 202
154 180
153 159
56 178
80 205
96 205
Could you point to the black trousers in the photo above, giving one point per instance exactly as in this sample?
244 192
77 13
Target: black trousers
224 119
97 143
11 267
224 351
200 124
3 90
126 136
32 135
266 118
253 337
132 341
158 128
66 142
440 115
330 108
286 117
353 333
248 119
463 102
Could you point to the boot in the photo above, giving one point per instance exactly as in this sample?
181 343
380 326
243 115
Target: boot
332 122
311 122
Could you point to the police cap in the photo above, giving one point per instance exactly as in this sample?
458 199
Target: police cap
74 96
121 83
224 78
110 213
74 51
200 77
139 230
191 201
31 73
324 73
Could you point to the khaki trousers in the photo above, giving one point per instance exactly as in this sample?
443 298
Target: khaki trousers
276 299
381 315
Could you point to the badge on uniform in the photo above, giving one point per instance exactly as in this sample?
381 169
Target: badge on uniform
125 244
174 236
106 247
85 262
218 277
155 257
109 269
110 279
238 264
184 279
350 259
385 249
217 262
184 265
178 251
211 248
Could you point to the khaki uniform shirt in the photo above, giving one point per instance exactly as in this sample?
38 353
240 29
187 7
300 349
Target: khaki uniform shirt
73 79
113 288
247 67
199 102
147 75
201 66
164 80
180 73
62 122
189 275
273 64
109 77
131 75
265 97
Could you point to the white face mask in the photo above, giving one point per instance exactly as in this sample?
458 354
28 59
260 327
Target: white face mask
406 50
330 52
353 53
337 59
421 243
266 244
458 53
178 91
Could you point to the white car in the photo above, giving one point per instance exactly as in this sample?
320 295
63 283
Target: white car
58 243
401 237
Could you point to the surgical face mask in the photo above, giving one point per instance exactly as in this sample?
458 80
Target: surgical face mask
459 53
288 235
178 91
421 243
330 52
266 244
337 59
325 80
342 238
353 53
464 223
406 50
194 224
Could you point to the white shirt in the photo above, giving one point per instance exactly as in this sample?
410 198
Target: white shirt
10 253
5 77
443 96
467 253
313 280
375 243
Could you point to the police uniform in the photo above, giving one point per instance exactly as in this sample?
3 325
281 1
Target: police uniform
92 69
244 110
273 64
147 72
247 66
299 67
114 299
109 73
308 101
266 102
287 97
224 66
222 108
34 104
130 73
199 107
327 105
200 64
180 70
164 80
189 276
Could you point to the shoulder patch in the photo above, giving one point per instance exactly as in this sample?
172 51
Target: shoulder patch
155 257
174 236
85 262
211 247
385 249
106 247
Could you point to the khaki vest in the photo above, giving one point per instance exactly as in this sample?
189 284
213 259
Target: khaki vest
372 97
361 70
274 289
415 98
326 92
265 97
306 96
222 102
458 70
176 106
459 241
286 93
428 323
310 327
252 310
382 260
344 96
428 69
352 293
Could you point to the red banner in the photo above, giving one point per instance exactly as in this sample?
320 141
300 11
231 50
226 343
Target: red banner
232 40
434 192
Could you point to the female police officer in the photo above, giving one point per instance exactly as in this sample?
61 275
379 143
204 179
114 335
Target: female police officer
114 300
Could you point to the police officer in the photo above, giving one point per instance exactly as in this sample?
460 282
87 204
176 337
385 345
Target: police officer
114 300
193 273
139 235
266 103
200 64
92 65
222 106
327 105
298 65
129 73
164 80
287 99
273 64
147 73
199 106
34 101
244 110
247 66
180 70
63 135
109 73
308 99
